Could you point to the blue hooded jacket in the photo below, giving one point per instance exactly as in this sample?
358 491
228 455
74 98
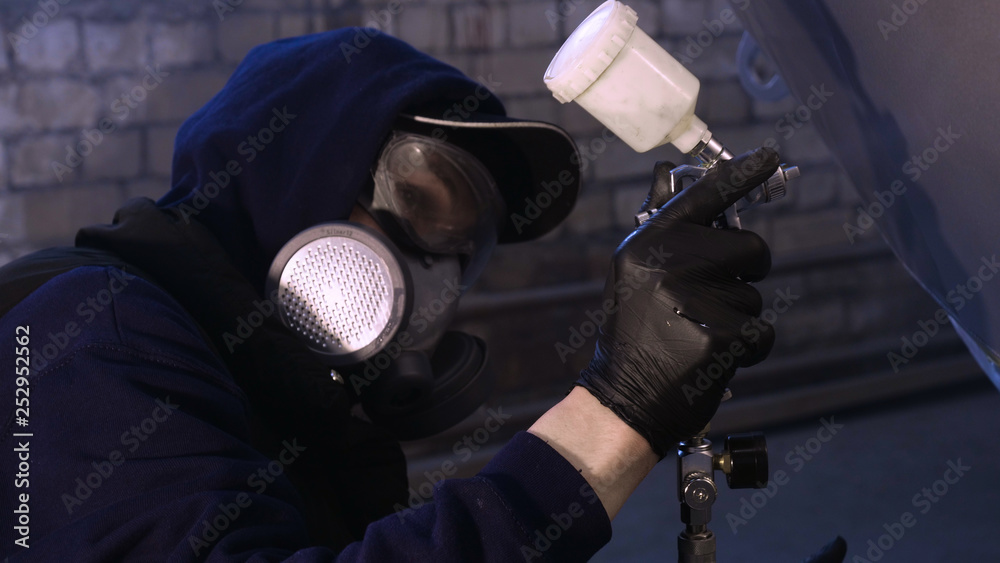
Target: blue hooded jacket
142 434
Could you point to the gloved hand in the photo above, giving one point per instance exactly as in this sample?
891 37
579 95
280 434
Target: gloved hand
681 314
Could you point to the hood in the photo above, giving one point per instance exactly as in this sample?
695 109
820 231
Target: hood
289 141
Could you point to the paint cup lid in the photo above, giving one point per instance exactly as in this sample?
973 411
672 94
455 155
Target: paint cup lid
590 50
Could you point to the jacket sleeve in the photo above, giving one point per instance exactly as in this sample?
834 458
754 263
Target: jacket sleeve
527 504
139 450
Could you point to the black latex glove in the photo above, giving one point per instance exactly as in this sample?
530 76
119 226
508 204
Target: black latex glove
833 552
681 315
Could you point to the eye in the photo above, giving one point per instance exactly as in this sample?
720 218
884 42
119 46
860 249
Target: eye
408 196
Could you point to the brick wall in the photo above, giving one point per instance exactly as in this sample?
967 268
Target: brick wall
115 79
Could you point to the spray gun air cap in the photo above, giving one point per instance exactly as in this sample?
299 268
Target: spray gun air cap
628 82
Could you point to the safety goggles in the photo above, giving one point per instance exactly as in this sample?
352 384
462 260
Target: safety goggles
441 198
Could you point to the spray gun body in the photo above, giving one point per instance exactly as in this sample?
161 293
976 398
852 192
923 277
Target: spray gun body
714 153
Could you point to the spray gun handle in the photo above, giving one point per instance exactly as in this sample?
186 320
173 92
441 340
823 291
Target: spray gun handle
771 190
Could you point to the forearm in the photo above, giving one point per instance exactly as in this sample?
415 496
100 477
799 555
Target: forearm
610 455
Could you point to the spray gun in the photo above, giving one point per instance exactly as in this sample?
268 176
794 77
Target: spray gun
647 98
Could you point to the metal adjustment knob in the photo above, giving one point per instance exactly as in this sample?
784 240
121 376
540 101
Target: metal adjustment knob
699 492
775 188
747 467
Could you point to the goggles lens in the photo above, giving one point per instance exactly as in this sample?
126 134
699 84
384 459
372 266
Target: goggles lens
441 196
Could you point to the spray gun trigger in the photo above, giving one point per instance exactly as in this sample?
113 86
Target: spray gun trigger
677 177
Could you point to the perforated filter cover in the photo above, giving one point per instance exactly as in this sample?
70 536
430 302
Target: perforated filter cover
341 289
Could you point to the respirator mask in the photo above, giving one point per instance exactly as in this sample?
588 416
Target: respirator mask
376 309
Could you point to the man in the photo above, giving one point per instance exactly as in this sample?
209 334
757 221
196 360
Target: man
194 397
